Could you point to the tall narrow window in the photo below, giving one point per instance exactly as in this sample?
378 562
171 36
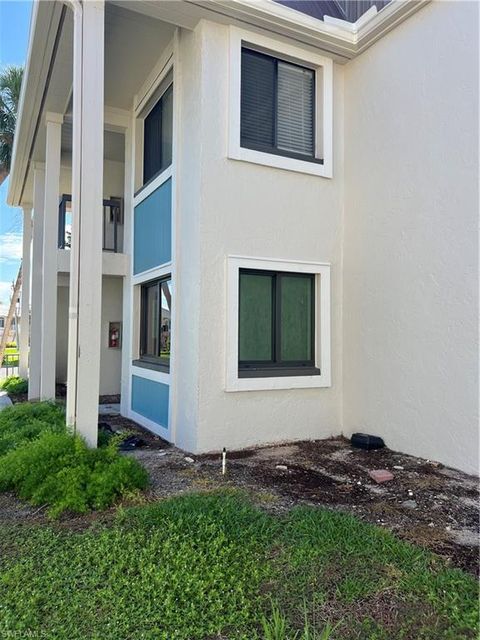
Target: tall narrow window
276 324
156 305
277 106
157 137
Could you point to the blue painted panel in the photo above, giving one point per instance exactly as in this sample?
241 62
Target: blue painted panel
152 244
150 400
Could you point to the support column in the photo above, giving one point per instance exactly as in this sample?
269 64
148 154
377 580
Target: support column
37 267
25 298
127 299
87 196
50 245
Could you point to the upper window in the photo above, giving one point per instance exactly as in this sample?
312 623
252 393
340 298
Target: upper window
157 137
156 305
280 104
277 106
276 331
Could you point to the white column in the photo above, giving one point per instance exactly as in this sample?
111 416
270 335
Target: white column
127 300
25 298
50 246
87 194
37 267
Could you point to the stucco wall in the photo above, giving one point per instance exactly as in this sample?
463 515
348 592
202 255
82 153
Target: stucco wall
110 359
257 211
186 202
411 253
62 332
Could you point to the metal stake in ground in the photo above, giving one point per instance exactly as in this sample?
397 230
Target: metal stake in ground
224 461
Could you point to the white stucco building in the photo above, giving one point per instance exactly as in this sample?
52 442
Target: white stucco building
256 221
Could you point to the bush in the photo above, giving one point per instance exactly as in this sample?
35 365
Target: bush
25 421
46 464
11 345
14 385
58 469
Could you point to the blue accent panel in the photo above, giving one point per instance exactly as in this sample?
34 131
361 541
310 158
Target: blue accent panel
150 400
152 245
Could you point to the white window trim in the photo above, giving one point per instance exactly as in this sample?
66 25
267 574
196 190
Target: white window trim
152 186
151 374
152 274
154 427
324 130
322 325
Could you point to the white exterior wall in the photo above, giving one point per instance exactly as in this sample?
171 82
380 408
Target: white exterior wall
249 210
110 362
62 332
186 331
411 233
110 359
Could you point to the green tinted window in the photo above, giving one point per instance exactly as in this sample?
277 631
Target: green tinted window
296 318
276 322
256 317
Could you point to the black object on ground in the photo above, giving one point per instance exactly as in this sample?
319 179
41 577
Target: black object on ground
131 442
104 426
366 441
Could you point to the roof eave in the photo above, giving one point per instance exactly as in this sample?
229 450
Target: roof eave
46 17
44 25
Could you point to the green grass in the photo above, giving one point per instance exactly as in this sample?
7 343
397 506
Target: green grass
212 566
10 357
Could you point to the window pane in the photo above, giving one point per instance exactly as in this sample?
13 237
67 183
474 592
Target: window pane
152 132
152 321
157 136
295 109
257 99
256 317
296 318
166 288
167 128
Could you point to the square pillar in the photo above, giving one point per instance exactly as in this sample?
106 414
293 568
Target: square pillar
37 268
50 245
85 305
25 297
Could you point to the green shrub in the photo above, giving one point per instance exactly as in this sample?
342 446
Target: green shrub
14 385
58 469
25 421
11 345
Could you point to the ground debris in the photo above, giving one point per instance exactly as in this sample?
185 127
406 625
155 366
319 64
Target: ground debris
381 475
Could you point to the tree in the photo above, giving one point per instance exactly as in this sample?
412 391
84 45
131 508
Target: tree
10 85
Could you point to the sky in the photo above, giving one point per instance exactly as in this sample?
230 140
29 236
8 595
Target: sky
14 30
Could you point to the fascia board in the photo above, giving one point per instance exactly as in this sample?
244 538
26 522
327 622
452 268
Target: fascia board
334 38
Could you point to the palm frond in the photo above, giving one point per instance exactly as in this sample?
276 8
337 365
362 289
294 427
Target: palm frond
10 87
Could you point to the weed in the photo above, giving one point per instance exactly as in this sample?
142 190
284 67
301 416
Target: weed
14 385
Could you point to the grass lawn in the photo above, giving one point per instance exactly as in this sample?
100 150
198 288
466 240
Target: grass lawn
10 357
214 566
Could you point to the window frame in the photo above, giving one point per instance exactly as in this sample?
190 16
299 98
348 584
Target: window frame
321 163
277 366
274 149
287 378
148 360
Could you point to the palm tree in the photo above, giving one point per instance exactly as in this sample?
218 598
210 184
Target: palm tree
10 84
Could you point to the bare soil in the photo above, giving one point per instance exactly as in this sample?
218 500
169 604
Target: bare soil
426 503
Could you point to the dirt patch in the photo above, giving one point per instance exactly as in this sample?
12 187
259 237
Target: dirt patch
425 503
